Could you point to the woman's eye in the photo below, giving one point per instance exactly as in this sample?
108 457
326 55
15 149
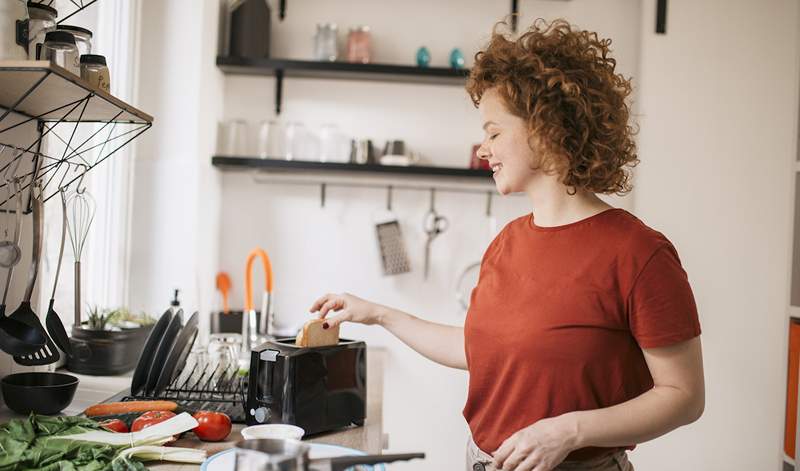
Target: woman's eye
491 138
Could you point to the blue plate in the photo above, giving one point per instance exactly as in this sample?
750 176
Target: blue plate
226 460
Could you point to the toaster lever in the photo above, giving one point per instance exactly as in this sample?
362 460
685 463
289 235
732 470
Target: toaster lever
269 355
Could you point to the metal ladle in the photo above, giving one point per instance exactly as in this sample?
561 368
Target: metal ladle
10 252
16 337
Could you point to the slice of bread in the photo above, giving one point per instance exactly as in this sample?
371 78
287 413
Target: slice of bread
313 335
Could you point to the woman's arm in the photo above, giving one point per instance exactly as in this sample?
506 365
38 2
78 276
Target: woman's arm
441 343
677 398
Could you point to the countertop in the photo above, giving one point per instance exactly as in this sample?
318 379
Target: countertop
369 438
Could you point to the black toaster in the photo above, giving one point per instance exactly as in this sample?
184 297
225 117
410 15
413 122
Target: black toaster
318 389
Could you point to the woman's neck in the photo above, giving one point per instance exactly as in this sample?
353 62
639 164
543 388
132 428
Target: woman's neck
553 206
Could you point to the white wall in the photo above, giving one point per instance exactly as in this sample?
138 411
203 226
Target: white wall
316 250
719 120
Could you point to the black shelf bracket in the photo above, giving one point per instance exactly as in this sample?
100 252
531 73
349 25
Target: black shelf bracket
514 15
661 17
282 9
278 91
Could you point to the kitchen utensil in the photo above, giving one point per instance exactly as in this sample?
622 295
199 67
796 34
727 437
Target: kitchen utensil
234 138
394 257
224 287
225 348
161 353
10 252
358 45
13 30
38 392
226 460
60 49
326 47
53 322
363 152
274 454
318 389
106 352
270 140
291 432
177 354
434 224
139 380
17 338
48 353
251 332
81 211
43 20
249 29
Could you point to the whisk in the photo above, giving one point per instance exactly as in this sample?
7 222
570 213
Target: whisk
81 210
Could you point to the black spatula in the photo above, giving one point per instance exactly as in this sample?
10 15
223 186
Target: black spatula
24 313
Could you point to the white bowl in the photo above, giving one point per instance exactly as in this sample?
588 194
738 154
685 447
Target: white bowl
273 431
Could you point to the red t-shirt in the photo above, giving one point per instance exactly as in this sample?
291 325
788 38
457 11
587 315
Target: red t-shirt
559 317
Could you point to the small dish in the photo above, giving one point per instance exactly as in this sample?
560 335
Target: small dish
273 431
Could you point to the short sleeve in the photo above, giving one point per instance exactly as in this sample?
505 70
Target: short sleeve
661 306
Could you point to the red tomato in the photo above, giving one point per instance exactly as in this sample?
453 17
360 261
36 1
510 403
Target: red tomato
213 426
150 418
114 425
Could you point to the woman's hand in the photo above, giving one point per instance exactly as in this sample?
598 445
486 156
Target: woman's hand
350 308
538 447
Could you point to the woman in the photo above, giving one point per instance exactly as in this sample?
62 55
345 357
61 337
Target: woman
582 337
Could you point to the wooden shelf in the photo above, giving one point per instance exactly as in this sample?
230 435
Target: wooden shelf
37 89
298 166
343 71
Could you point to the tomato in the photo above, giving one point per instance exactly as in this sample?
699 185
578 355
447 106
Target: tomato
150 418
114 425
213 426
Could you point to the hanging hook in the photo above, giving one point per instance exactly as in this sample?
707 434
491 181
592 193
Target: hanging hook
488 204
389 198
322 189
433 200
78 188
61 186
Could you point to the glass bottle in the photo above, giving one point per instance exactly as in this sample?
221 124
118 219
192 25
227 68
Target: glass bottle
83 39
59 48
326 46
95 71
42 21
358 45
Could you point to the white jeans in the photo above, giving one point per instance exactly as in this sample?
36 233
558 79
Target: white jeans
478 460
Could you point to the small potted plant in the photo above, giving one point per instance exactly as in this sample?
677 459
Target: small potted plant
109 342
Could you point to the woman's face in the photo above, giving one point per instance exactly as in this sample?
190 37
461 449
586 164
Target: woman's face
505 145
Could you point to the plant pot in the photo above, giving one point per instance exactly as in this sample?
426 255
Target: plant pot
106 352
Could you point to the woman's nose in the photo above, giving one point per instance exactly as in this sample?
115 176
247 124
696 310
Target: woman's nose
483 152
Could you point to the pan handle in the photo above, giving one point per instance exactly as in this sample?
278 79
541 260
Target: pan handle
341 463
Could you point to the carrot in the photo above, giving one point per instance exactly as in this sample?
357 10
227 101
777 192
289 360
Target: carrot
113 408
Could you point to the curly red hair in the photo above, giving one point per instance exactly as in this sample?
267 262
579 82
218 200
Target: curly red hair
562 82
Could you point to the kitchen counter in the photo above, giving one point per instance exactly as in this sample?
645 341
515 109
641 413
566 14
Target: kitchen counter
369 438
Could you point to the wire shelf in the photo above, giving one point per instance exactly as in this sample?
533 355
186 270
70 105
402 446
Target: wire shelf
80 5
86 125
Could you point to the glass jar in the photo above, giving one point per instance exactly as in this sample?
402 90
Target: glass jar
358 45
94 71
59 48
83 39
42 21
326 45
13 30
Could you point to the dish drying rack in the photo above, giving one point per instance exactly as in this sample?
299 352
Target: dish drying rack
204 384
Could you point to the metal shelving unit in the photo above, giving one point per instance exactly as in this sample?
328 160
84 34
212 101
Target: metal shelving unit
60 104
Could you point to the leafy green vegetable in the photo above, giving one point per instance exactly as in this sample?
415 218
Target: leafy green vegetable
23 447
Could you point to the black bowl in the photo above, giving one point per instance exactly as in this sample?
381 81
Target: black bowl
38 392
